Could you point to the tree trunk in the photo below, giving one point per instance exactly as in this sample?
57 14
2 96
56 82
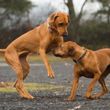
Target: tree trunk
108 16
74 20
71 28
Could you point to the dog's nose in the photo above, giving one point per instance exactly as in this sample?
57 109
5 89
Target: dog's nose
65 36
65 33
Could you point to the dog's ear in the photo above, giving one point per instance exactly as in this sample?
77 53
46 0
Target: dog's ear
53 17
51 20
71 51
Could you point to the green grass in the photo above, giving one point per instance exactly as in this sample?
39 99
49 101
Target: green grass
36 58
32 87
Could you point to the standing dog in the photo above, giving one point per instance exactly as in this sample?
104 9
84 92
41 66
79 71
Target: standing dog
90 64
41 39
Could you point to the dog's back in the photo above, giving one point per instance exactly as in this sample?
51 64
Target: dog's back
103 56
103 52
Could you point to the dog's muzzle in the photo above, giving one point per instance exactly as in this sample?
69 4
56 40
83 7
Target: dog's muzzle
57 53
65 33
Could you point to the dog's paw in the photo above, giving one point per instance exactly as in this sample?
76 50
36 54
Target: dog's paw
70 98
51 74
28 97
90 97
96 96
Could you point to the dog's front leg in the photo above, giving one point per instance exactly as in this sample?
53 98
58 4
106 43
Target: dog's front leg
74 85
91 85
73 89
45 60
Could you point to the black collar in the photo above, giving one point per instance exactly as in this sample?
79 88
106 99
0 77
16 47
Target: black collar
81 56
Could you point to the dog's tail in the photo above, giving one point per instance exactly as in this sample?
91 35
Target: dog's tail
2 51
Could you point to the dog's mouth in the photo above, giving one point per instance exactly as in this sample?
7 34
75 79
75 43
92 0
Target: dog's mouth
65 34
58 55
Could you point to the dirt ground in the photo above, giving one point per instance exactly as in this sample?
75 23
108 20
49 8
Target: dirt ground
51 100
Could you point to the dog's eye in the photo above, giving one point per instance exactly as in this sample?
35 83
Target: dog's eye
61 24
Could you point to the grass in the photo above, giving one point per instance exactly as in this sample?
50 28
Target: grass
37 58
34 86
31 87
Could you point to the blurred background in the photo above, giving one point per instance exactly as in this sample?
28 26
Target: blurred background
89 26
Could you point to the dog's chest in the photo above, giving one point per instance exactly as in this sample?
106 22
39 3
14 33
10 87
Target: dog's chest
86 74
52 45
85 71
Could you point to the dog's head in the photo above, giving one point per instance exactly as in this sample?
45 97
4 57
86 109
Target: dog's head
67 49
58 22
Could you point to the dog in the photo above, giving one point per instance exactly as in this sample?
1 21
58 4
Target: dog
88 63
42 39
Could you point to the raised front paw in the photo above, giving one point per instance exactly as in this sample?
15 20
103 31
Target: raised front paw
51 74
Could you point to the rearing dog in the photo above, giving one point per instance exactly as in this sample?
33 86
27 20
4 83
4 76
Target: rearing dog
41 39
89 63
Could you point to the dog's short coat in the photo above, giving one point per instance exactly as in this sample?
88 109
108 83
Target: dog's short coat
41 39
89 63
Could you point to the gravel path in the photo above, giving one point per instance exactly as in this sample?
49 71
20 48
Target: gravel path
51 100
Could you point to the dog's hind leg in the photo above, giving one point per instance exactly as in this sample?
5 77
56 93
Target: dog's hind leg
102 83
104 89
25 65
12 59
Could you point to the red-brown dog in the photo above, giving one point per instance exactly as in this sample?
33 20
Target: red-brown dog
91 64
41 39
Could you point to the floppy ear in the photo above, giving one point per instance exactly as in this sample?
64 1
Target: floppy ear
53 17
71 52
51 20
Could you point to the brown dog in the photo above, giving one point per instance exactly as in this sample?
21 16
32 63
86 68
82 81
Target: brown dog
91 64
42 39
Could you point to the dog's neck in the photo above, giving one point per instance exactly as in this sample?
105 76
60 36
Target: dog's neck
51 30
80 55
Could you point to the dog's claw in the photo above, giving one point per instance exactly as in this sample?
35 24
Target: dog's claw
51 75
